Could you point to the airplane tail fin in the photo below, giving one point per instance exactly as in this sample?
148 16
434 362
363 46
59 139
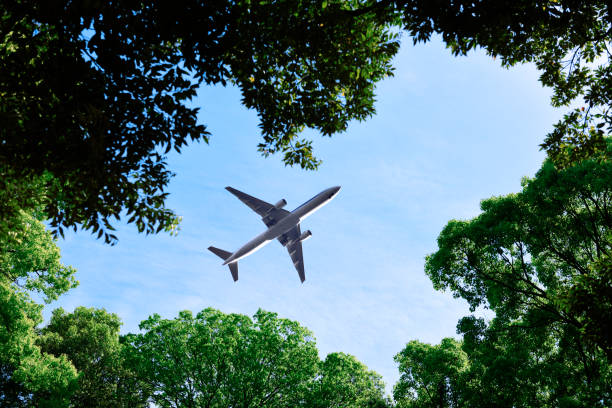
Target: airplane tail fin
224 255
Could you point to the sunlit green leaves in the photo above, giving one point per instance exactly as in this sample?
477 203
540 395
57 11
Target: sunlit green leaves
221 360
431 376
343 381
29 262
215 359
89 338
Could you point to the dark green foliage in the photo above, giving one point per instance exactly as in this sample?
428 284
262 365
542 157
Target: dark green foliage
527 250
109 83
12 393
529 364
590 299
93 94
540 260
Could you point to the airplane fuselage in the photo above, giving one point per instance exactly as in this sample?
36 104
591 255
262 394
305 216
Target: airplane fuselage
284 224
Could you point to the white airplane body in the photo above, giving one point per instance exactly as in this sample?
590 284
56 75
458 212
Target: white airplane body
282 225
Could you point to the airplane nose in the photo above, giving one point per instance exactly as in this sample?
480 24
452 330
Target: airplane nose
334 190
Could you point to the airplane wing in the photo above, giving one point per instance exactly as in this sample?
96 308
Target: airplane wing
268 213
291 240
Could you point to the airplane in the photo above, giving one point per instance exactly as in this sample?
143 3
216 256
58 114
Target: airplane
282 225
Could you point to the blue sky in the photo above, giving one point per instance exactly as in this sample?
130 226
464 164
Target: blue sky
448 133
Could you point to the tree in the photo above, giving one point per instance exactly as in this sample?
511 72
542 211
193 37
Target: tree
109 83
30 262
224 360
539 259
230 360
343 381
94 94
590 298
532 258
431 376
529 364
528 250
90 339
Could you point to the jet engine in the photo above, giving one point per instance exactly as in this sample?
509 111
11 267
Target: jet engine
280 204
305 235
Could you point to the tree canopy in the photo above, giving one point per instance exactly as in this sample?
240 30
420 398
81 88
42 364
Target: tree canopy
215 359
430 376
110 83
343 381
30 263
224 360
94 94
526 251
539 259
89 338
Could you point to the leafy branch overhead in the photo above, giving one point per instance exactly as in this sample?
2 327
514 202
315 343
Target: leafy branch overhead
94 94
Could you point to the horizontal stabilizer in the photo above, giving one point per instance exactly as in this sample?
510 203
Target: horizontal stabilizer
219 252
234 270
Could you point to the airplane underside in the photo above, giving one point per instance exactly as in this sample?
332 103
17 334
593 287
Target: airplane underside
282 225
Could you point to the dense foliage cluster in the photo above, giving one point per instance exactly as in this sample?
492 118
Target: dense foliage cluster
109 83
210 360
30 262
93 94
530 257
